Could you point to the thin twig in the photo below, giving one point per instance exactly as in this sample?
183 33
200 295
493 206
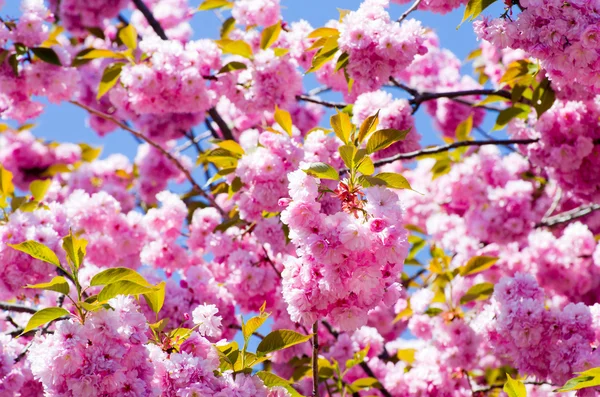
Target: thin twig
570 215
319 90
412 8
554 205
315 360
271 263
155 145
318 101
189 143
445 148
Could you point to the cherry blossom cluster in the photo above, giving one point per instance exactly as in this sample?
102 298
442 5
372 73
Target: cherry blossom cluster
548 344
377 46
171 80
564 37
568 146
346 261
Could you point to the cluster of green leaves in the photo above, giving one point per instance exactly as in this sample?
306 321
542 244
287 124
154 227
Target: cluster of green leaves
360 166
114 282
127 35
44 52
527 92
326 44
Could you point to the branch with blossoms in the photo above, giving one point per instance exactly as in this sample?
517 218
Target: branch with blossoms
158 29
568 216
158 147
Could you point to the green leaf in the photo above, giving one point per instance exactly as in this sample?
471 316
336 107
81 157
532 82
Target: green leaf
228 355
347 153
58 284
441 167
44 316
389 179
476 7
478 292
363 384
39 188
89 153
123 287
342 126
37 251
514 388
506 115
109 78
227 27
75 249
235 47
342 61
156 299
368 126
47 55
464 129
357 358
589 378
366 166
214 4
269 35
94 53
323 32
406 355
231 146
278 340
116 274
231 66
477 264
284 119
272 380
7 188
322 171
253 324
128 36
325 54
384 138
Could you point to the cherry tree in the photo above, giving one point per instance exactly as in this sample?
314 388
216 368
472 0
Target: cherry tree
272 240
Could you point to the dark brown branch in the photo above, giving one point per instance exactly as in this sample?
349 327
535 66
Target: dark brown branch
225 130
15 307
155 145
445 148
140 5
570 215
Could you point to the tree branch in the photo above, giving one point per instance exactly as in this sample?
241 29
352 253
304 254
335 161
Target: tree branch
140 5
227 134
570 215
161 33
444 148
15 307
155 145
412 8
307 98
